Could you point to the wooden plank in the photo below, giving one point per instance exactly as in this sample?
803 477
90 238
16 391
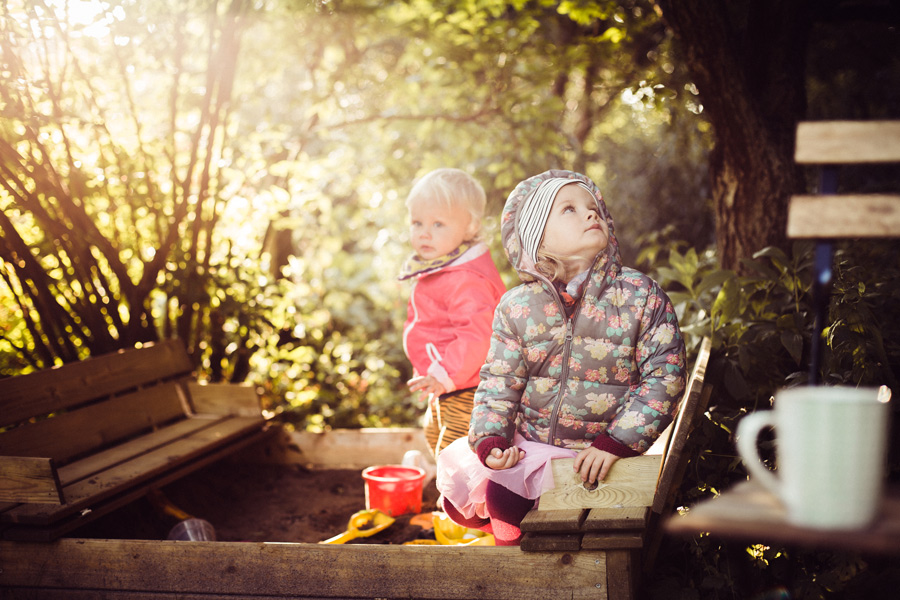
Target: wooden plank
844 216
693 404
26 479
630 482
601 519
96 426
345 448
83 493
748 512
556 521
51 390
621 575
50 594
846 142
224 569
224 399
105 460
550 542
612 541
49 533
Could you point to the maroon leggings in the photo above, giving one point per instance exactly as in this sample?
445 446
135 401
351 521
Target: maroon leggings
507 509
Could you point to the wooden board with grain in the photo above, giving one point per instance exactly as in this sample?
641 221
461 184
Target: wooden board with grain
27 479
99 425
52 390
224 399
846 142
631 482
133 470
844 216
175 569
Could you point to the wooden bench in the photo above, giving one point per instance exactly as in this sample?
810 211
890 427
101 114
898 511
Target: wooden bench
82 439
625 523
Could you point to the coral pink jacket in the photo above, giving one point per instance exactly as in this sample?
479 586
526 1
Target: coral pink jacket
448 325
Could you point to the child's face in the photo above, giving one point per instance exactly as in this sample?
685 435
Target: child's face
436 229
575 231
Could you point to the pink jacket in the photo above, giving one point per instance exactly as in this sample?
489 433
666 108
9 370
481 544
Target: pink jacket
448 326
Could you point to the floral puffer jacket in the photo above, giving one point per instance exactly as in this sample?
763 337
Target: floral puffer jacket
615 368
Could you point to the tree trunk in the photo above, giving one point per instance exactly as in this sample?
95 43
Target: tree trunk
748 63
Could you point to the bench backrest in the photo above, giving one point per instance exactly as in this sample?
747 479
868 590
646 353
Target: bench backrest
829 215
675 457
67 411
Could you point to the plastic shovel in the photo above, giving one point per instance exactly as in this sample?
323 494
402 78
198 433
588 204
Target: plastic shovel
362 524
448 533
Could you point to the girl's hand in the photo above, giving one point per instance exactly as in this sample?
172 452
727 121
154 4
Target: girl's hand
426 384
504 459
593 464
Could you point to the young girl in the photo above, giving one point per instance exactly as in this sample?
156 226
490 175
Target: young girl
586 360
452 303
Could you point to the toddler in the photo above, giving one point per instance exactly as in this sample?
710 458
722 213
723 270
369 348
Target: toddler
586 360
452 302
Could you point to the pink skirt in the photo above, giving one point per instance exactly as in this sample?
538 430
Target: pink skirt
462 479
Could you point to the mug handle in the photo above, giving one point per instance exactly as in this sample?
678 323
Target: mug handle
747 433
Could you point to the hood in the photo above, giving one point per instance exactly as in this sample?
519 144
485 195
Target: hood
522 263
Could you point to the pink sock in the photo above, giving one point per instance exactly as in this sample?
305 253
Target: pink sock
507 509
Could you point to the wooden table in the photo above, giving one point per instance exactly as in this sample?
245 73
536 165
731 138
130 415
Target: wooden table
750 513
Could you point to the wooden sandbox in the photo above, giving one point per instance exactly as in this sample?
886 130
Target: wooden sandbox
83 567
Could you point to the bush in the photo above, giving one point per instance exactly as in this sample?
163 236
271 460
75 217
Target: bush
761 325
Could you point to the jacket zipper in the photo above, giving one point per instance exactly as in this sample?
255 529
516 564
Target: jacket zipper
564 374
567 351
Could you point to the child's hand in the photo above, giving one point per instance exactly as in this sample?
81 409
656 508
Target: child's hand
504 459
426 384
593 464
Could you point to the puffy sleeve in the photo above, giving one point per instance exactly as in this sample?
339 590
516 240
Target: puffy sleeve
503 379
660 358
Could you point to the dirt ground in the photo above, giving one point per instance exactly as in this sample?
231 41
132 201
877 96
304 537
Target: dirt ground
260 503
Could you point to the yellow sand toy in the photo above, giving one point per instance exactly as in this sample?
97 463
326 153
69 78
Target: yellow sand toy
362 524
448 533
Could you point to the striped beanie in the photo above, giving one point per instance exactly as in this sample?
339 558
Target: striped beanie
536 210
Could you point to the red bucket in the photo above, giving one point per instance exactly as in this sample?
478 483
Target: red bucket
394 489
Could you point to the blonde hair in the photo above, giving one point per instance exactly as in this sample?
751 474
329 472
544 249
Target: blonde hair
452 187
550 266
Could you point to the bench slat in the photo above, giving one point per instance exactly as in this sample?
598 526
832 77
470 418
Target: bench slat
83 493
107 459
610 541
96 426
51 390
65 526
693 404
554 542
844 216
600 519
554 521
29 480
847 142
224 399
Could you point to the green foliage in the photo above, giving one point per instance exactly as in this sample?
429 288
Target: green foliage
761 326
233 174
